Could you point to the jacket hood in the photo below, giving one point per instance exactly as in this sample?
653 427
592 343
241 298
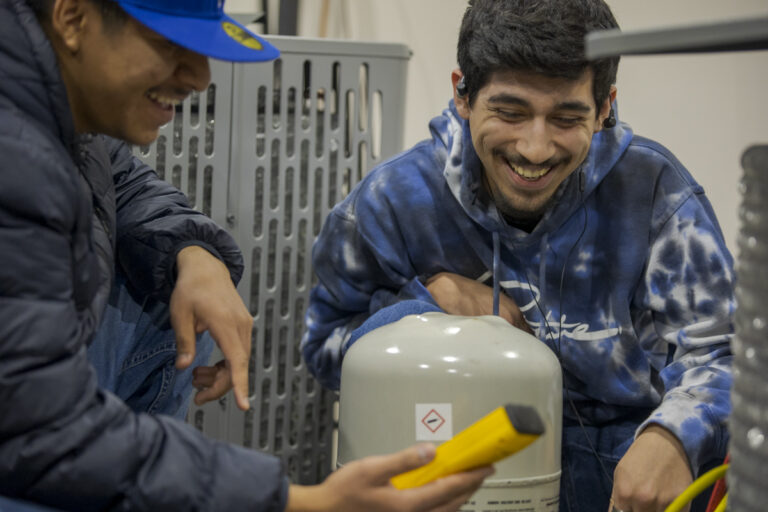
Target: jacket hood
30 82
463 174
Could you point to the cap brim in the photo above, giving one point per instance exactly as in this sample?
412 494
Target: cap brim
221 38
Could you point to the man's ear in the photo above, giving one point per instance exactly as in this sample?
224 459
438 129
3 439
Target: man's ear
605 110
68 21
461 100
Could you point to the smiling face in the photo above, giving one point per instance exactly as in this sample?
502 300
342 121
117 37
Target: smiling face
531 132
122 80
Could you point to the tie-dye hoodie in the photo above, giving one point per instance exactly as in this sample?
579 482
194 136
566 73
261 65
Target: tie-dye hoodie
626 276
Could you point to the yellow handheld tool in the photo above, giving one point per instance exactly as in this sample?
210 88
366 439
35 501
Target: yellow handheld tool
499 434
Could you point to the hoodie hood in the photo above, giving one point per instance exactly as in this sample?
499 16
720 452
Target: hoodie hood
463 174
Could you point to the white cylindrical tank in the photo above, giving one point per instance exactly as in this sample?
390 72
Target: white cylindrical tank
427 377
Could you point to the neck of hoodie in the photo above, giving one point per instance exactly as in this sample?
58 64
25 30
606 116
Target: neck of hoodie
523 223
526 225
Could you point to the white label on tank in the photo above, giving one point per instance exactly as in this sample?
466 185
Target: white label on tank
541 497
433 422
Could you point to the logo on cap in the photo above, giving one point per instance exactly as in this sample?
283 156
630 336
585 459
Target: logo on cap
241 36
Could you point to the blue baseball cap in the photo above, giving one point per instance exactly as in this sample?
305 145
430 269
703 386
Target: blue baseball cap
201 26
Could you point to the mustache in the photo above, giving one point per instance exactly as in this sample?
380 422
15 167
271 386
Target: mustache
172 92
521 161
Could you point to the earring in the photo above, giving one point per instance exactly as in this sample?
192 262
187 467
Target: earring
461 87
609 121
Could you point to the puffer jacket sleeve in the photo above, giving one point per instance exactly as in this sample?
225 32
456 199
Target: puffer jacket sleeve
155 221
64 442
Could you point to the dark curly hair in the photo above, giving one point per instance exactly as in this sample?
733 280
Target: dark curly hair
541 36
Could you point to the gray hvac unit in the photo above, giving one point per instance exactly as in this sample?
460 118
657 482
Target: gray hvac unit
266 151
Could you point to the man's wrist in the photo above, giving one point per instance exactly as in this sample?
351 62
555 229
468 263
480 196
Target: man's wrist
190 252
304 498
193 255
662 432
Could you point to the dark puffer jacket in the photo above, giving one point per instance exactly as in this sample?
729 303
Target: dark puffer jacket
68 204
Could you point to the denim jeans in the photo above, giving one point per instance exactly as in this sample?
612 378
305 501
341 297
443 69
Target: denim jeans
9 505
134 354
585 483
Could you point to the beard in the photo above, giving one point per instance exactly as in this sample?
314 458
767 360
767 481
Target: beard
526 212
514 213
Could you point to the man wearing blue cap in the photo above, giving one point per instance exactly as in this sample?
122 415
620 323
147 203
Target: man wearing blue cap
121 275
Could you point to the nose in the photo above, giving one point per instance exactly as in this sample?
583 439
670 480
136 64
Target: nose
535 143
193 70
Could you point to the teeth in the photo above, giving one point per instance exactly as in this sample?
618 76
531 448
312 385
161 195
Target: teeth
529 174
164 100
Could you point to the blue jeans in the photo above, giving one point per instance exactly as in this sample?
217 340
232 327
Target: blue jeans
585 484
134 354
9 505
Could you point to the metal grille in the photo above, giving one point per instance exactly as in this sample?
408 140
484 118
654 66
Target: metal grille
192 152
748 423
267 151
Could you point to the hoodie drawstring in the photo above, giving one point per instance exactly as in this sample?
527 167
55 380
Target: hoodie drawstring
496 273
543 254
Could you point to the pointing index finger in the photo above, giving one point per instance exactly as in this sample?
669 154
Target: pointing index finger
236 354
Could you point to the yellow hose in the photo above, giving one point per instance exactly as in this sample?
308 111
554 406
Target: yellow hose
721 505
697 487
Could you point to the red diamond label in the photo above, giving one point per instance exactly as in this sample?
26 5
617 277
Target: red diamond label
433 421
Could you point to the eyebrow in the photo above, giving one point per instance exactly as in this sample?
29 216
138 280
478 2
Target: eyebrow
511 99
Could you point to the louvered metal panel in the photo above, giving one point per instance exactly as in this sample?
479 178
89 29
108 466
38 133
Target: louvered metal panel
267 151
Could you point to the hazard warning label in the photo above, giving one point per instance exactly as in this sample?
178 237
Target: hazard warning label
433 422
